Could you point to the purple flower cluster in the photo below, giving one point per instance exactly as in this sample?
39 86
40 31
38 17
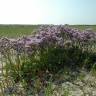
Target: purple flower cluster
47 35
83 36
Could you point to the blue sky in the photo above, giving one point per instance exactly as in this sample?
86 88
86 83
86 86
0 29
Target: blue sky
47 11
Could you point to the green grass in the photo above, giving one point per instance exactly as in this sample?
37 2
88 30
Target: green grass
20 30
16 30
82 27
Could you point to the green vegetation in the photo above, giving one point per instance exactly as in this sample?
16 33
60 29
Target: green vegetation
39 65
16 30
20 30
83 27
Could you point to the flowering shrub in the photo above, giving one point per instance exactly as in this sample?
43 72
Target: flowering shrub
52 48
46 36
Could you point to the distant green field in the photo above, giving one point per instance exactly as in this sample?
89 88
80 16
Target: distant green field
16 30
82 27
21 30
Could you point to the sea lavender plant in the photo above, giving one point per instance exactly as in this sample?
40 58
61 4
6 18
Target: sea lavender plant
52 47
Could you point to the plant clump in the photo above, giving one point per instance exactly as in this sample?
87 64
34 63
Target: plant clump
47 52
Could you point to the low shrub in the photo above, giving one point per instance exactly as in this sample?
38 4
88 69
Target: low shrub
49 51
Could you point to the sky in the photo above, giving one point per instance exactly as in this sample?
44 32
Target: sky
47 11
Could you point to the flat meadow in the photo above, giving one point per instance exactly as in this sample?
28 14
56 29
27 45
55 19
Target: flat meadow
48 60
19 30
16 30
